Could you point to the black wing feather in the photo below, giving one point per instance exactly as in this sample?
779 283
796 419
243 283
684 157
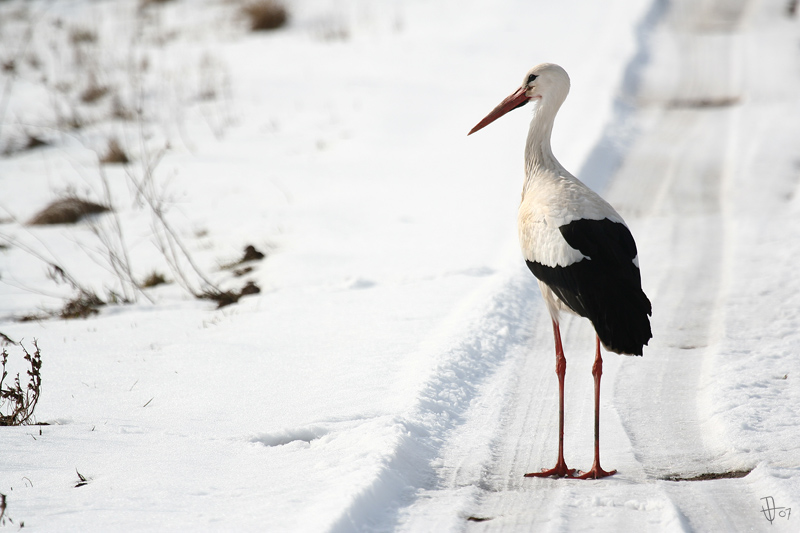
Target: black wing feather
605 287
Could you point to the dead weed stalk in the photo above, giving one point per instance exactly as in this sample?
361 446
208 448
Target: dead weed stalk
17 403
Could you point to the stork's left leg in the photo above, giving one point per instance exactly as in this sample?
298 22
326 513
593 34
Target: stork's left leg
596 472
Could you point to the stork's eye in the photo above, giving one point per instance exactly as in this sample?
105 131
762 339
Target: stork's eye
531 78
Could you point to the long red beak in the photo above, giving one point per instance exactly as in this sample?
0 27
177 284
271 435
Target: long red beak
513 101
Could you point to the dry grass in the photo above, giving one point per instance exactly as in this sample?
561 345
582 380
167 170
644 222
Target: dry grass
251 254
34 142
114 154
147 3
82 35
250 288
265 15
239 272
120 111
66 211
153 280
82 480
226 298
93 92
223 298
84 306
16 400
87 77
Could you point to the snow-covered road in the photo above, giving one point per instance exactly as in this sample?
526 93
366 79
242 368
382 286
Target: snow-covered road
396 373
687 186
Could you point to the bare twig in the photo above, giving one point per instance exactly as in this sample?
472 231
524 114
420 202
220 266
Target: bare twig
6 95
167 240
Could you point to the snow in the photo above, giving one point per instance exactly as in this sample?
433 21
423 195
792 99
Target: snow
395 373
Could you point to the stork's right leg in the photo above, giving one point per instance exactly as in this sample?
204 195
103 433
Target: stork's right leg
596 472
560 470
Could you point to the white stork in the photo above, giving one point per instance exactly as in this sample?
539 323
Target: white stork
577 246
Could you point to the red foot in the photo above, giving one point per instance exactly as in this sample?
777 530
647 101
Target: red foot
560 470
595 473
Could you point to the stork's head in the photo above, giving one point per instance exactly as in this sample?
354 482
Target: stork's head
547 82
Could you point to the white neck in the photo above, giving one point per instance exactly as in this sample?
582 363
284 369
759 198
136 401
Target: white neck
538 154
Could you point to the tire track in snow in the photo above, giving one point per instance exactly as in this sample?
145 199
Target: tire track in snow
409 465
681 204
691 128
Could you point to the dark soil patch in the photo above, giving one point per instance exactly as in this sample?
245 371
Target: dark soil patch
699 103
733 474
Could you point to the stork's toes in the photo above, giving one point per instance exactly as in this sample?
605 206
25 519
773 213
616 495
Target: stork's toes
595 473
560 470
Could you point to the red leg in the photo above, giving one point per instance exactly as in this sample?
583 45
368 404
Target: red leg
560 470
596 472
